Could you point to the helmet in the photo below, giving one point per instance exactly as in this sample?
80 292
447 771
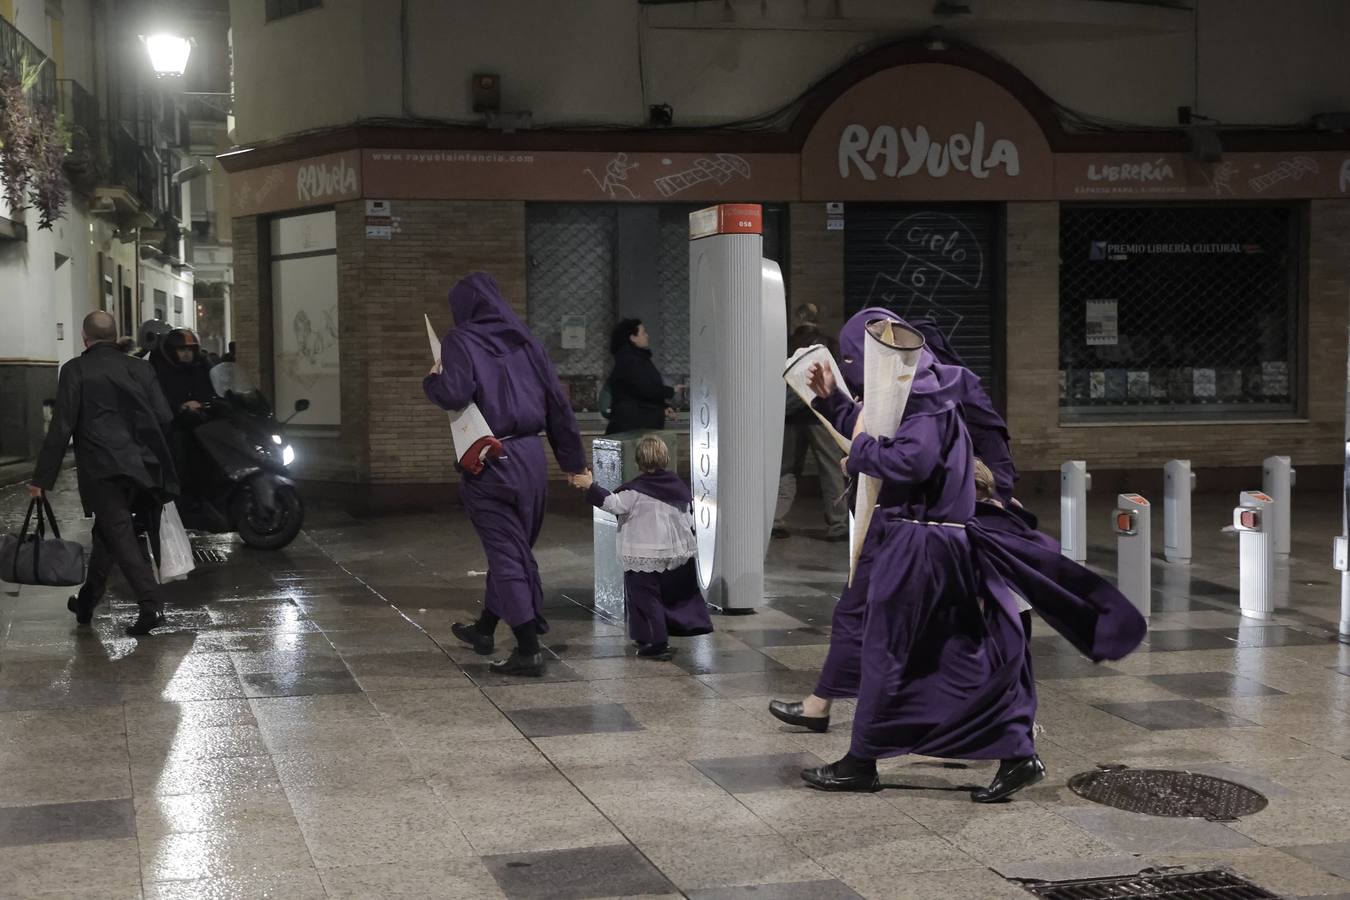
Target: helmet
150 332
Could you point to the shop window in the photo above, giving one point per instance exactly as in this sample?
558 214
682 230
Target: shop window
280 9
583 278
1178 311
305 316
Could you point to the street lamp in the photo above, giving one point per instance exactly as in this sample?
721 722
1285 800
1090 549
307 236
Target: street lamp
168 54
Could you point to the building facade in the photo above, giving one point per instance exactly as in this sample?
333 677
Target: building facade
121 243
1131 290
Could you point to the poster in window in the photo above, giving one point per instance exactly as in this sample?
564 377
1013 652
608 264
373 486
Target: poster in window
305 304
1275 379
1102 319
574 332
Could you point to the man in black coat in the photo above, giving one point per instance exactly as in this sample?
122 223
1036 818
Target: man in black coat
112 406
803 432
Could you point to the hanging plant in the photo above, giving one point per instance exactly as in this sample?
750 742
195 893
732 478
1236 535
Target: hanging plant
16 140
48 187
33 147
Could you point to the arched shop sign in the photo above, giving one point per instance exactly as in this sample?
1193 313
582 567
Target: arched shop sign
926 131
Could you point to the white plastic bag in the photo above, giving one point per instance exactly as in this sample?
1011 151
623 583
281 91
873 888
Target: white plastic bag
175 551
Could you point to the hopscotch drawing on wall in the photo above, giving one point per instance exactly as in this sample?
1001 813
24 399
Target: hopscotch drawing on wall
936 254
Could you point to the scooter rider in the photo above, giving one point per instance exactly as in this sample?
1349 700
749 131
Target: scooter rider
184 376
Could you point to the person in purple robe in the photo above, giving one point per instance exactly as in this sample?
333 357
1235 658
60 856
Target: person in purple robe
988 431
842 670
656 548
491 358
945 666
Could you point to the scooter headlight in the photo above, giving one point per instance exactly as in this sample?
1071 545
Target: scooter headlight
276 439
287 455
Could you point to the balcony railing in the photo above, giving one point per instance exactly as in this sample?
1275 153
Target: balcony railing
131 167
18 53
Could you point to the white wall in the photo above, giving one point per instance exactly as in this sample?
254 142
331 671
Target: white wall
1260 61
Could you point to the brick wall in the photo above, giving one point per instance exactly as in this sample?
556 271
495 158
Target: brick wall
438 243
1041 443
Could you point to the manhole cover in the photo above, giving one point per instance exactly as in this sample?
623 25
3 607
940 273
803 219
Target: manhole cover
1218 884
1163 792
207 555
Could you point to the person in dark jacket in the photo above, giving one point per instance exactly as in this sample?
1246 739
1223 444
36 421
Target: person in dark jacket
641 400
113 407
802 431
185 377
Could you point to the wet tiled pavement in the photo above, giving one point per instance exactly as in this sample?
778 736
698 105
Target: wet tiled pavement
308 727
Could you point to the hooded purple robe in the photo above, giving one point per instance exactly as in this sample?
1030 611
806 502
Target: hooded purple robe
492 359
661 604
943 673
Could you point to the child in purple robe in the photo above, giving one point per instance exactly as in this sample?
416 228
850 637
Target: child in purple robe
492 359
656 547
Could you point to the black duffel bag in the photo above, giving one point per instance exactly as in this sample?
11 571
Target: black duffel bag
37 559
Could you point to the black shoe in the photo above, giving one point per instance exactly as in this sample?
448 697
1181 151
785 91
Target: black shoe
836 538
778 532
826 778
146 623
83 615
655 652
792 714
1013 775
482 644
531 666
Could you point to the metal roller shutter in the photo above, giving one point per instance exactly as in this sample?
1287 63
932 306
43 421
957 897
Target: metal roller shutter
938 261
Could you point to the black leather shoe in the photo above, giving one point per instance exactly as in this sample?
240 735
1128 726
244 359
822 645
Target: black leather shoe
793 714
779 532
145 624
531 666
826 778
82 615
1013 775
660 652
482 644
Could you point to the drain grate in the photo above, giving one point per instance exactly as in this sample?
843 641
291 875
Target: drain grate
1217 884
1164 792
207 555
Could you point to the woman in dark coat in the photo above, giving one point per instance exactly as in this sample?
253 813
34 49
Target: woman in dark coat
640 398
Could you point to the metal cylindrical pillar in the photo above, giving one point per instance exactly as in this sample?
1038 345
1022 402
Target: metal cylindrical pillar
1074 483
1256 554
1278 481
1178 483
1134 533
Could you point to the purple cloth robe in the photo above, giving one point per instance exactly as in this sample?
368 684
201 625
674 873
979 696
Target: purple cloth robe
491 358
661 604
943 673
1085 608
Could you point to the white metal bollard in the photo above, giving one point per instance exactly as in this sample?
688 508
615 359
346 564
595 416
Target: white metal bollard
1256 554
1278 481
1178 483
1074 483
1134 533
